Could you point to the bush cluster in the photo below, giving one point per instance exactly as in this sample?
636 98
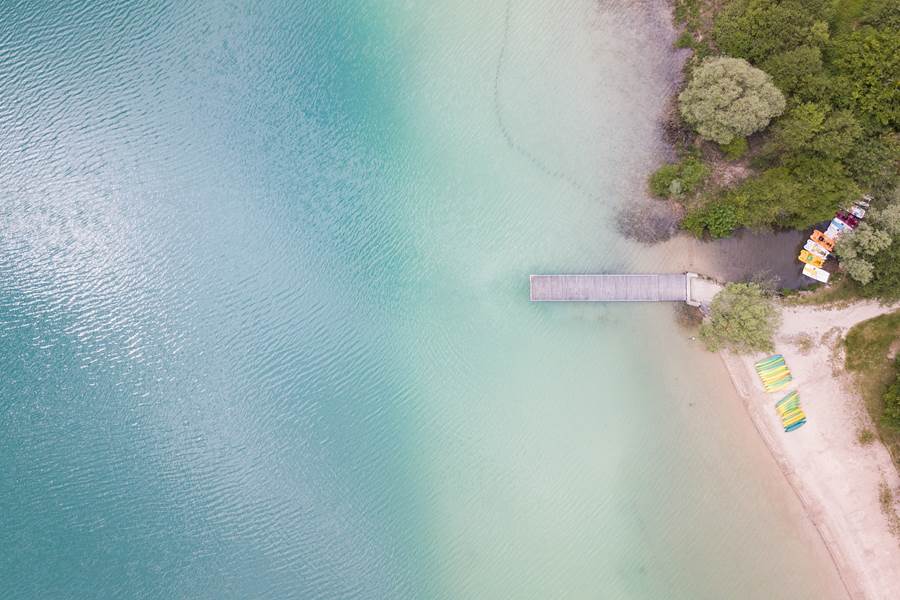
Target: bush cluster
677 179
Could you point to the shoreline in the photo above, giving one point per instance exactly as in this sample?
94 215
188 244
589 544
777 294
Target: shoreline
863 553
828 484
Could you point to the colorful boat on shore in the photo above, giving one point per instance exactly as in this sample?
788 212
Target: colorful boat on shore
820 244
816 273
823 240
811 259
814 248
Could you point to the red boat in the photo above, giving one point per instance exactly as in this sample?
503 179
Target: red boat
848 218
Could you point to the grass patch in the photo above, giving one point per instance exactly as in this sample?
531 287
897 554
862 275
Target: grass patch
865 436
805 343
736 149
842 291
867 349
685 40
687 12
886 499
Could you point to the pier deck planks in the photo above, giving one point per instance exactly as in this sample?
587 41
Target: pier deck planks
649 287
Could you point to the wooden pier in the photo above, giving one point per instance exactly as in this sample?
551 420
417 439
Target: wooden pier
649 287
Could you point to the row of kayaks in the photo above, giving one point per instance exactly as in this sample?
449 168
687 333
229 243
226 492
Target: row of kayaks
774 373
788 408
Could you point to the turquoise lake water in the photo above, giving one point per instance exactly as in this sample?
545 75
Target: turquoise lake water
264 329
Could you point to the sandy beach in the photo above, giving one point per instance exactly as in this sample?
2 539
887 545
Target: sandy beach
837 480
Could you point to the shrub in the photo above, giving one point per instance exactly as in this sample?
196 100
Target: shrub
718 218
742 318
821 186
685 40
865 437
728 98
693 172
662 178
735 149
676 179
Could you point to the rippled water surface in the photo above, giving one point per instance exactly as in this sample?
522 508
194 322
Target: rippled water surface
264 329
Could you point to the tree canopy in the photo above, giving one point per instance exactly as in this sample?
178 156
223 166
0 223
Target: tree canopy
758 29
728 98
743 318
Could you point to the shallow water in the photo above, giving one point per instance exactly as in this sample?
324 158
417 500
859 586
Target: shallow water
264 327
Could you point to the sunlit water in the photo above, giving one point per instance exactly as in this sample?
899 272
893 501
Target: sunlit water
264 329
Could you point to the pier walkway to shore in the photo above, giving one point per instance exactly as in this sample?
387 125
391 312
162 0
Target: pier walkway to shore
648 287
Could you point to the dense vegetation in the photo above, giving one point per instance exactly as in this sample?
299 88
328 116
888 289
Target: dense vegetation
742 318
868 348
837 65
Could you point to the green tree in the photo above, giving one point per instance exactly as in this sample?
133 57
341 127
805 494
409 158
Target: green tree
885 283
809 127
838 135
799 126
859 269
742 318
728 98
857 249
822 186
867 67
865 241
790 69
877 243
881 13
888 218
758 29
872 162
